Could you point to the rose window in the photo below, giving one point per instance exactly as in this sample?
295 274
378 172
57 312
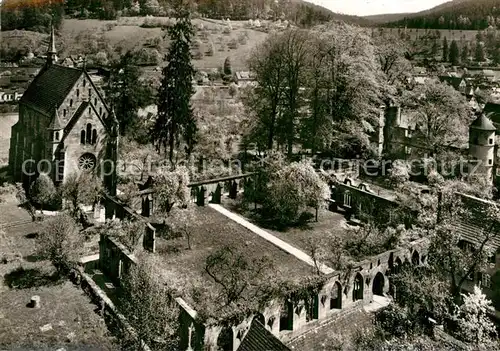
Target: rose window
87 162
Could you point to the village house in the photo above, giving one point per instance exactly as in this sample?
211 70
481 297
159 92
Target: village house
64 126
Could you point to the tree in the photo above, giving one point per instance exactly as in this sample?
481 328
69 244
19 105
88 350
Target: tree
83 189
181 221
126 92
227 67
175 120
445 50
150 307
171 187
441 115
454 53
59 241
291 190
42 190
479 53
465 53
234 272
455 260
267 63
474 322
400 173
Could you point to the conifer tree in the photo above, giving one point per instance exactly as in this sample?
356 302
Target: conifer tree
454 53
479 55
465 53
175 121
445 50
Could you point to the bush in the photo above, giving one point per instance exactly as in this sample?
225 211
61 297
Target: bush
43 191
59 241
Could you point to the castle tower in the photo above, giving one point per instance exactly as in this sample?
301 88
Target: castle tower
482 146
51 51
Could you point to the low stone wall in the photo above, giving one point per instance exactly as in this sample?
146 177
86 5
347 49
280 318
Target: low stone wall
114 258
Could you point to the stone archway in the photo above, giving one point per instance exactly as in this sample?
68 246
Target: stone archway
415 258
225 340
357 291
378 284
336 296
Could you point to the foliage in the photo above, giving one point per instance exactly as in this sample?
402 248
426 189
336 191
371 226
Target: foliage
234 273
171 187
137 160
474 323
126 92
59 241
126 232
180 223
291 191
81 189
454 53
43 190
396 321
399 173
441 115
150 307
16 15
445 50
175 120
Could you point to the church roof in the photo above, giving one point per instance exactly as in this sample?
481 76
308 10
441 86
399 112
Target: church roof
49 89
483 123
56 123
259 338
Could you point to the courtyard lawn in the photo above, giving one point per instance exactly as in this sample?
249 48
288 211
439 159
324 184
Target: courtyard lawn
212 231
66 319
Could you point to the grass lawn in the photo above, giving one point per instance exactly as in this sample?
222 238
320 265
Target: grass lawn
329 223
212 231
66 318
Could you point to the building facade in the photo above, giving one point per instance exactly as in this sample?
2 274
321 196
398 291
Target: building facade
64 125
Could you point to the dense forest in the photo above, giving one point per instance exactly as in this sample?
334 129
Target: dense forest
16 14
458 14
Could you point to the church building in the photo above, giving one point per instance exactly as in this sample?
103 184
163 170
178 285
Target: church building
64 127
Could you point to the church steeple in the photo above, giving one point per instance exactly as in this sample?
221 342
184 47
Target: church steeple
51 51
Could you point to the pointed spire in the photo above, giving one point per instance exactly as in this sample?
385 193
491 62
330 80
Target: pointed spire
51 51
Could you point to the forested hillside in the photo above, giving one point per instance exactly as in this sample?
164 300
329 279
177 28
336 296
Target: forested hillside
457 14
17 14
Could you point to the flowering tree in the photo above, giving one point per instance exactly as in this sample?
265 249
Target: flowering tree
474 324
292 190
171 187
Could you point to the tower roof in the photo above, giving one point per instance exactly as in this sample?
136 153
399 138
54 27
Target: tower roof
483 123
52 42
56 123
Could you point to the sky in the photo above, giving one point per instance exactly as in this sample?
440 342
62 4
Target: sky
375 7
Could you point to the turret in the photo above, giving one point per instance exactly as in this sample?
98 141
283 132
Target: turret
55 131
51 51
482 146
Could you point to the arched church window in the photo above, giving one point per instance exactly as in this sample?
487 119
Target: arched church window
77 93
64 113
100 111
95 101
88 140
90 93
71 103
84 83
82 137
94 136
56 137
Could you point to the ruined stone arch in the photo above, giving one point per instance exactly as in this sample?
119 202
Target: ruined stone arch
378 284
415 258
358 287
336 296
225 340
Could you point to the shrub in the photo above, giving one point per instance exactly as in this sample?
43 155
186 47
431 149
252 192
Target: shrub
59 241
43 191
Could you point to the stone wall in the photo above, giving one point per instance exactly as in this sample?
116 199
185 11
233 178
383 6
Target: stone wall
114 258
